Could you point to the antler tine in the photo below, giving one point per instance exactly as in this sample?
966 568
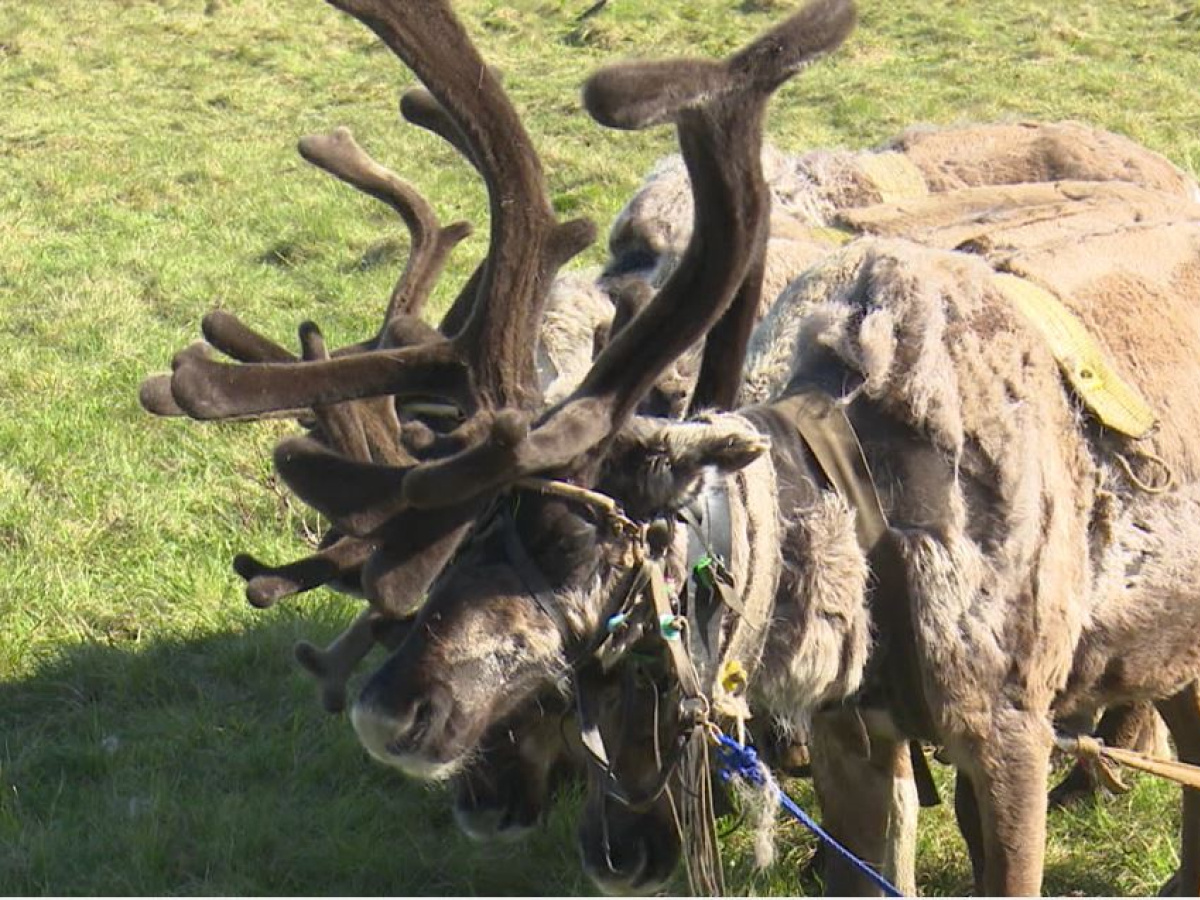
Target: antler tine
422 109
227 333
340 423
333 666
768 60
206 389
155 396
725 346
633 96
341 156
718 109
266 585
419 545
526 239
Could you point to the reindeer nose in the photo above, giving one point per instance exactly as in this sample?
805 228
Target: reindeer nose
412 733
617 868
378 730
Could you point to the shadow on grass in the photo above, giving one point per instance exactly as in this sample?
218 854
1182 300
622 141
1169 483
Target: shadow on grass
206 767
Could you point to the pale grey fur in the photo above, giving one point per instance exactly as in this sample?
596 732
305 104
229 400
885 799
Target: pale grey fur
575 310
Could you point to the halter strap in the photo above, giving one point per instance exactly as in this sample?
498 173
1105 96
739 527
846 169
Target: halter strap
531 576
829 435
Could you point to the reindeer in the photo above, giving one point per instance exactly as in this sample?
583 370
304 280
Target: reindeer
428 707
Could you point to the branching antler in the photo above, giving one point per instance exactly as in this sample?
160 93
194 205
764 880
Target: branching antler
338 154
399 516
718 110
490 360
481 360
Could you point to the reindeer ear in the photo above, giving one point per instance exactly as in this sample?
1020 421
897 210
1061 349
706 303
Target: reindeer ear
656 465
725 442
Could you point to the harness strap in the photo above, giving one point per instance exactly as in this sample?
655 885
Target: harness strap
681 662
927 789
531 576
833 442
823 426
710 548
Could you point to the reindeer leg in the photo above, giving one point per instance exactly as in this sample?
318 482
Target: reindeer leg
966 811
1008 768
1182 715
868 802
900 838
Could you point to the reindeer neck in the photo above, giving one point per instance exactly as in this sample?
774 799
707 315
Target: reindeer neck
823 469
728 552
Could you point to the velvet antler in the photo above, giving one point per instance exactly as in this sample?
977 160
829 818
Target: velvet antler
333 666
491 357
339 154
483 358
341 559
718 109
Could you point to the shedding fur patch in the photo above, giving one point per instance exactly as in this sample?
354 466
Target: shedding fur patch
817 648
576 309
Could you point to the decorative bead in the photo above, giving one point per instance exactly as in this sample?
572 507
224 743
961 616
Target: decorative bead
670 627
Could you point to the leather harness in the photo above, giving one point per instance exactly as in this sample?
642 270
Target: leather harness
894 681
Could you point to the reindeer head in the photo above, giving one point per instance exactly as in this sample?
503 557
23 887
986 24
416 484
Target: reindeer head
521 763
529 588
519 579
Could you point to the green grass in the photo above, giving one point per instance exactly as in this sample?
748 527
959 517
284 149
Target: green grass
154 736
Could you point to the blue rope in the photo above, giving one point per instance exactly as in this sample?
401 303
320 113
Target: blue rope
737 761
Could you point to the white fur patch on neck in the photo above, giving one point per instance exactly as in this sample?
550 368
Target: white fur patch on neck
817 649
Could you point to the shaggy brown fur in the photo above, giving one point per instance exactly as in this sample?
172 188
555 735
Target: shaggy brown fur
807 191
1039 526
1026 152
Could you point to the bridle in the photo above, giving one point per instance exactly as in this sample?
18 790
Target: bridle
641 611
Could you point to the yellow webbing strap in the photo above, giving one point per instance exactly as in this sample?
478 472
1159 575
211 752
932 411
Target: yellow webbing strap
893 175
1113 401
837 235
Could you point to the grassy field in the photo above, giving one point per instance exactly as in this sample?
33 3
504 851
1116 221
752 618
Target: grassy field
155 737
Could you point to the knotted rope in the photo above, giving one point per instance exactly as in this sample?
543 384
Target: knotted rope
740 761
1090 749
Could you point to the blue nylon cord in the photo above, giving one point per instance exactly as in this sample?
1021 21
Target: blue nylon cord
734 759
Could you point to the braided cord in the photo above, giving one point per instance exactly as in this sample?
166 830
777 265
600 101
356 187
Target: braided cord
736 760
